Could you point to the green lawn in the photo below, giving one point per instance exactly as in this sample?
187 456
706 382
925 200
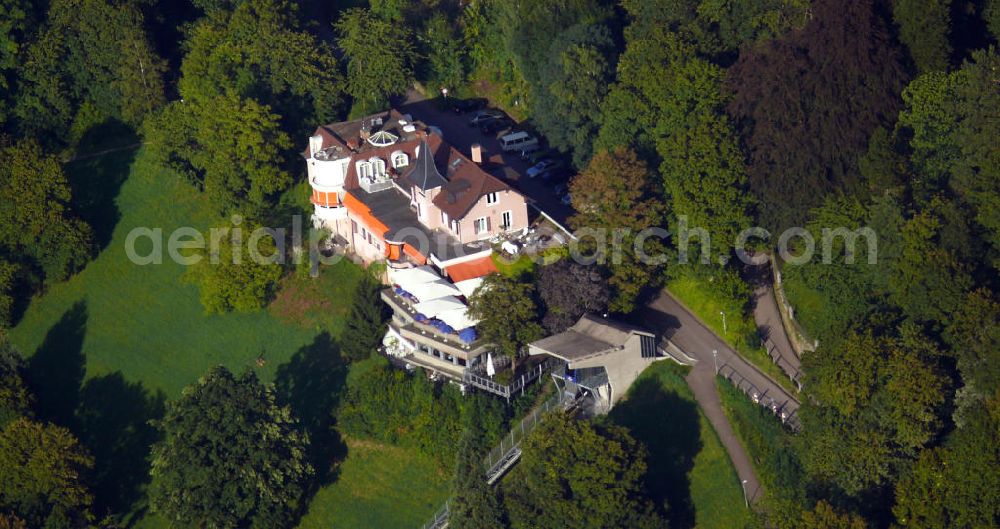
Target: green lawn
144 320
380 486
108 347
688 467
740 330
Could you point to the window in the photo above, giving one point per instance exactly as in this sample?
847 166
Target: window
506 220
491 198
364 234
455 227
400 159
378 166
354 227
364 170
420 211
482 225
444 218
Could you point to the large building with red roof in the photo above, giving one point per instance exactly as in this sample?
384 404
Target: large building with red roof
393 189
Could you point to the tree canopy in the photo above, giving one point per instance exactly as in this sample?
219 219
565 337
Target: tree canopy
573 473
507 313
807 103
249 455
37 221
42 475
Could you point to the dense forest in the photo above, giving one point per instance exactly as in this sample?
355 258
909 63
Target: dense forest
724 113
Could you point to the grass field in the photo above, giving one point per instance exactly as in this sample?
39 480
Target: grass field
688 467
109 346
740 330
379 486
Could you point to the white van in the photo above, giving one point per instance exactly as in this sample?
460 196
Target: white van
517 141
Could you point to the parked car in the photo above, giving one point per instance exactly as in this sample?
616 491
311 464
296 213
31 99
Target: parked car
517 141
495 125
543 166
561 189
461 106
555 174
566 200
485 115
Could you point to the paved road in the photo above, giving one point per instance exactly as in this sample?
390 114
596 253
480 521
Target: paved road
675 323
769 322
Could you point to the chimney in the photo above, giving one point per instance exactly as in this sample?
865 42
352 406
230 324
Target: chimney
365 131
477 153
315 144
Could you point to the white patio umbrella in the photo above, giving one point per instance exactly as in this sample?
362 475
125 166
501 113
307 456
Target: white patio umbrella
490 370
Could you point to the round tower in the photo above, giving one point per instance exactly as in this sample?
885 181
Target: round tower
327 169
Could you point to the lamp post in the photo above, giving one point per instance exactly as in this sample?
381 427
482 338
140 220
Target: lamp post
725 330
745 499
715 359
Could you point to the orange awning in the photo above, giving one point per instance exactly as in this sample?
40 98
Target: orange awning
325 198
363 213
471 269
413 253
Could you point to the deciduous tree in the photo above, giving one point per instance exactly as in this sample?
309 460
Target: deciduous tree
36 217
380 58
230 456
89 51
233 148
573 474
16 400
235 275
569 290
507 313
42 469
807 103
924 26
614 196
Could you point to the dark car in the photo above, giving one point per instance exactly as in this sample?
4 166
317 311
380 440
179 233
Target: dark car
482 116
461 106
495 125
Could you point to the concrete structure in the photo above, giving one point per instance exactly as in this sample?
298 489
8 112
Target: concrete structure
392 189
602 359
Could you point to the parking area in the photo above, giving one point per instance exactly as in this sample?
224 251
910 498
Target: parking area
509 166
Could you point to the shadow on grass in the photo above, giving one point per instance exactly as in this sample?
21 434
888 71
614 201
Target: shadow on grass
310 384
669 427
56 370
113 422
96 181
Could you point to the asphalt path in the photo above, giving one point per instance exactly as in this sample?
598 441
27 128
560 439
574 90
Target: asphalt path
769 322
671 320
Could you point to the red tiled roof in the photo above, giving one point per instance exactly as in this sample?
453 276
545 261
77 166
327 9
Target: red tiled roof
467 182
471 269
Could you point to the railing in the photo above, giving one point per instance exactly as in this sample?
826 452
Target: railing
505 390
793 374
503 456
440 519
758 396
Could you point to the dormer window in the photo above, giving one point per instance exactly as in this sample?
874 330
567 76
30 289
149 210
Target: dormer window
378 166
400 159
492 198
364 170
